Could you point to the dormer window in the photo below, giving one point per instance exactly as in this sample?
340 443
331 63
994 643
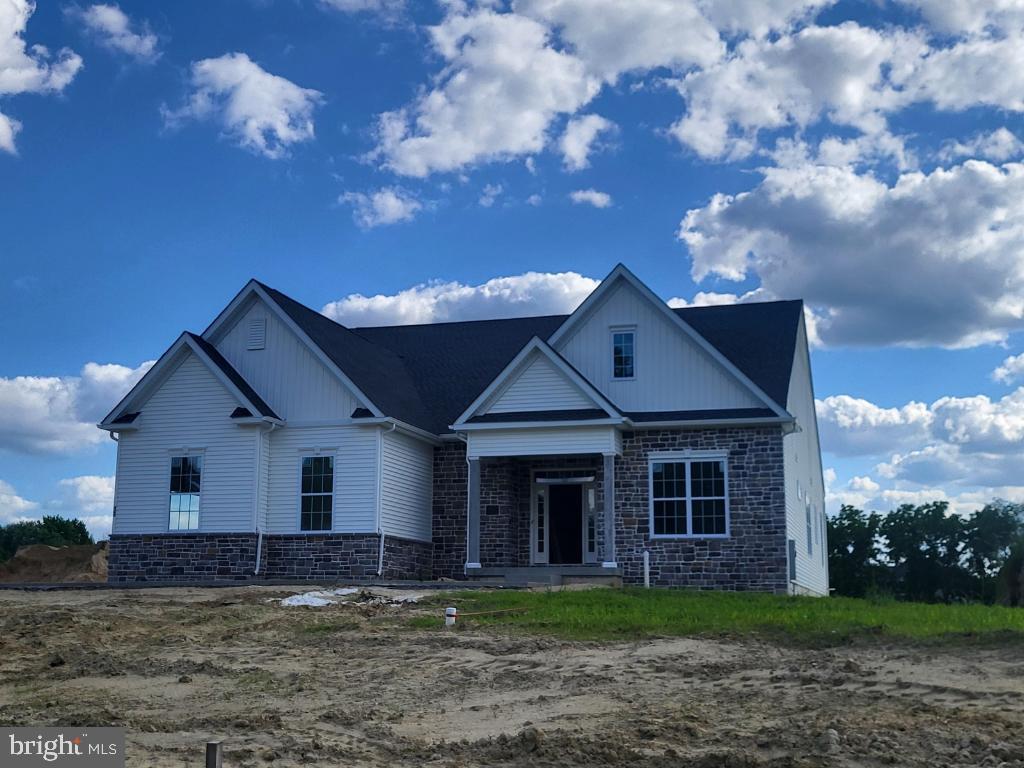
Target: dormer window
623 353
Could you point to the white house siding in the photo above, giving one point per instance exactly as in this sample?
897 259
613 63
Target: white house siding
285 373
540 386
191 410
407 476
543 441
355 475
804 482
673 373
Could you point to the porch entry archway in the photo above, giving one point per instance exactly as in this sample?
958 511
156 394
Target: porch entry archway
563 518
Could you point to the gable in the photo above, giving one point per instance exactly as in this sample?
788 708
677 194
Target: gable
188 392
539 386
282 368
673 371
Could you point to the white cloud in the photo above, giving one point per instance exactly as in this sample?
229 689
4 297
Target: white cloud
970 17
531 293
534 200
958 231
502 86
613 37
92 494
578 140
388 205
759 17
1010 370
490 193
591 197
999 145
852 426
58 414
14 508
844 72
116 31
28 70
384 8
260 111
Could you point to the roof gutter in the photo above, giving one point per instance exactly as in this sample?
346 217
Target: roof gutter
399 425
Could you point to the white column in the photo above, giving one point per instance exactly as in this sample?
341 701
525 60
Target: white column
609 511
473 515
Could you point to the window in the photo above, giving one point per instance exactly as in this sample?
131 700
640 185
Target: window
186 477
623 354
689 497
317 495
810 541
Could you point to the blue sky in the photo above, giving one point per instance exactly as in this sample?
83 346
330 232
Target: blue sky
863 156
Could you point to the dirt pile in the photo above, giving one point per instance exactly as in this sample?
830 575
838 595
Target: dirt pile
42 564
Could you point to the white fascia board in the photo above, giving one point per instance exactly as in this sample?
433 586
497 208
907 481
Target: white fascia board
251 288
400 426
536 344
621 272
492 425
151 379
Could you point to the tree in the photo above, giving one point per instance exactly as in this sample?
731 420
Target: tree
990 536
854 552
52 529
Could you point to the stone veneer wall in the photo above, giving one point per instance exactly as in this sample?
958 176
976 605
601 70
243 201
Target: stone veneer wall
181 557
449 510
232 557
752 558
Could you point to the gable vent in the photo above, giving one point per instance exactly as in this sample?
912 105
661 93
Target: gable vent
257 333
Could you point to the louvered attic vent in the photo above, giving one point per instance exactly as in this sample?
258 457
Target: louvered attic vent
257 333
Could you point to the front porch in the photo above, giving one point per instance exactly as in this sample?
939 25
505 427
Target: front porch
541 519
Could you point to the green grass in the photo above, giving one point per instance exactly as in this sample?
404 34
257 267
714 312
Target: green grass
625 614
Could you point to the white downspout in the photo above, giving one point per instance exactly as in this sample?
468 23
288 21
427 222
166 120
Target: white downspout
380 483
259 483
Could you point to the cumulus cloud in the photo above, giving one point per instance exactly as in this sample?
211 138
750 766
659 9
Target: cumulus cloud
25 69
579 139
531 293
116 31
959 232
611 37
956 441
591 197
845 72
970 18
998 145
497 64
13 507
490 193
90 498
1010 370
388 205
262 112
58 414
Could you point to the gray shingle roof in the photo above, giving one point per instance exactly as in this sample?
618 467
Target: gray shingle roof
236 378
427 375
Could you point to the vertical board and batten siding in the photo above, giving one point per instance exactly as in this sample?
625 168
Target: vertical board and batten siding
355 475
802 461
285 372
543 441
191 410
673 373
539 386
407 481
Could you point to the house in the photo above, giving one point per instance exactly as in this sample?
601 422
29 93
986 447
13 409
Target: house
279 444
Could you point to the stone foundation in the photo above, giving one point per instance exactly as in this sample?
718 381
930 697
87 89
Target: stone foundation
449 510
232 557
181 557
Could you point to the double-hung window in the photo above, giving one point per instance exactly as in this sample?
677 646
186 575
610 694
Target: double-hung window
689 497
623 354
186 479
316 498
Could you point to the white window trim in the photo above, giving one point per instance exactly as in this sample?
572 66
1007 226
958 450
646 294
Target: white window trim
316 453
611 338
687 457
171 454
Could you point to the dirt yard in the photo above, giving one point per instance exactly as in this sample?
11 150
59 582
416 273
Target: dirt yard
344 685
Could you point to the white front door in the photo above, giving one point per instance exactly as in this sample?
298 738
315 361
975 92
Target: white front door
540 528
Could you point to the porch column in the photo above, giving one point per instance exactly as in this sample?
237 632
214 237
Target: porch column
609 511
473 515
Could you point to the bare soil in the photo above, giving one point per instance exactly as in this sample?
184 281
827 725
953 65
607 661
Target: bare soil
353 685
39 564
